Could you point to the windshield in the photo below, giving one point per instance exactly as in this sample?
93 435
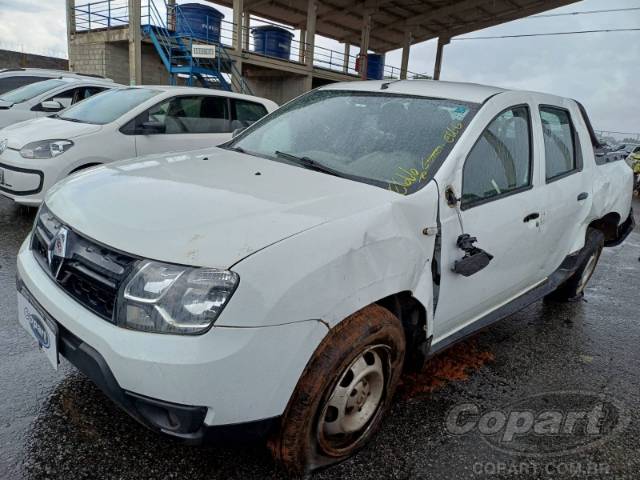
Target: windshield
28 92
389 140
108 106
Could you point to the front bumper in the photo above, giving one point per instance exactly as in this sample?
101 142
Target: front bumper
21 183
228 382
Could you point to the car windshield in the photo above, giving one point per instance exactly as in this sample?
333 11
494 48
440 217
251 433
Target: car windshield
28 92
108 106
389 140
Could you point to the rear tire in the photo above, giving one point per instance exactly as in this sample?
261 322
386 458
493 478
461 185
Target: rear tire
343 393
573 289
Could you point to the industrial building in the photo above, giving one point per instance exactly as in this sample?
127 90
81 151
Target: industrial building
161 41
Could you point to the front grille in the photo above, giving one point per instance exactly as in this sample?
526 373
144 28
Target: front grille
88 272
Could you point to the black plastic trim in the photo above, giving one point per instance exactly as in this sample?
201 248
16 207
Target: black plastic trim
23 170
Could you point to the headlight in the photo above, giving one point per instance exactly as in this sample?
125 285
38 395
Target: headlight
46 148
166 298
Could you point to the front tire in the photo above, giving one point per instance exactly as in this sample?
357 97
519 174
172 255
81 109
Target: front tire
573 289
343 393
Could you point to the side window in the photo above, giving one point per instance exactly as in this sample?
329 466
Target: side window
11 83
65 98
192 114
247 112
559 142
500 161
86 92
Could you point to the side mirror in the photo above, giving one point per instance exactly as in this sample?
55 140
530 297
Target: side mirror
237 132
49 106
151 127
474 260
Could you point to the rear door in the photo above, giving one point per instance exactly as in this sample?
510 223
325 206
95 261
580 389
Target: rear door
498 183
180 123
566 189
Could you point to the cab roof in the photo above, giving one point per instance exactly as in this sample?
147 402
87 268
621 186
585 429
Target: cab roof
467 92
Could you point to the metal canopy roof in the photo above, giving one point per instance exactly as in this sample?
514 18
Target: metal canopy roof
342 20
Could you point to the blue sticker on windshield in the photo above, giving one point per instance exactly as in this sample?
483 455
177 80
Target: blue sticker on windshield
460 112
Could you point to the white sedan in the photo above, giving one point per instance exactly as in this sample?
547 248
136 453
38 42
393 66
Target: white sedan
118 124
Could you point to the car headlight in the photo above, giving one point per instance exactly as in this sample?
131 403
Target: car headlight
46 148
165 298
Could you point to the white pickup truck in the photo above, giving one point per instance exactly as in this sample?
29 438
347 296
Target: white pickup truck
278 286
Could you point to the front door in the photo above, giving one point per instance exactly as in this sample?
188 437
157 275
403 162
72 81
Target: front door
183 123
498 187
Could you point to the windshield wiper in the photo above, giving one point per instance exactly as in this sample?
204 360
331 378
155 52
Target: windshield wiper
310 163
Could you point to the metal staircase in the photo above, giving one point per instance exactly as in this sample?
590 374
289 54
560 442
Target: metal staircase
175 52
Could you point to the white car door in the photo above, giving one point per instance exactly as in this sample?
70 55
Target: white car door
497 184
185 122
567 188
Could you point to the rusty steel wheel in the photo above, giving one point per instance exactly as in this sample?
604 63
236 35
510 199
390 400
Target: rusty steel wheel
343 393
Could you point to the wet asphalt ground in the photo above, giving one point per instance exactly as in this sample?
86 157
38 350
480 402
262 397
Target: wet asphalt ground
57 425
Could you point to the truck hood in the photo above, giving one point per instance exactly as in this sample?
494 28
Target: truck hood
20 134
209 207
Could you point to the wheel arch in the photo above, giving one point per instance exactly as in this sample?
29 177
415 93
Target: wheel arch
608 225
413 316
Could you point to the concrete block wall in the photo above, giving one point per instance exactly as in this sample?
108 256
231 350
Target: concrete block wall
111 59
10 59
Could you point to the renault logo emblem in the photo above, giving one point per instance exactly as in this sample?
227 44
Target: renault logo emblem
3 145
57 251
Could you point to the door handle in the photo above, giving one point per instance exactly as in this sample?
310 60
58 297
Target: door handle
531 216
583 196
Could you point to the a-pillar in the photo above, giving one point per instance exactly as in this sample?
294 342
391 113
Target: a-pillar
236 43
364 44
406 49
71 25
310 42
442 41
135 43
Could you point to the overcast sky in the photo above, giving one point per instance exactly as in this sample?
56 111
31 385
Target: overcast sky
601 70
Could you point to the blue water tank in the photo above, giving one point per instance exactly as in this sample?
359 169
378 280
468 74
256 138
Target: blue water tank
272 41
201 21
375 67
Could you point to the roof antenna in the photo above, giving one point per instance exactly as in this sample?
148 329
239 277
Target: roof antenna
385 85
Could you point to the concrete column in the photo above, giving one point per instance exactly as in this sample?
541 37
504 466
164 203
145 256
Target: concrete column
310 41
364 44
236 81
135 43
171 14
71 26
302 46
246 26
345 61
406 48
237 25
442 41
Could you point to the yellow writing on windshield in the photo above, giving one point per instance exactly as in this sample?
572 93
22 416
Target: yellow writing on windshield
405 178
